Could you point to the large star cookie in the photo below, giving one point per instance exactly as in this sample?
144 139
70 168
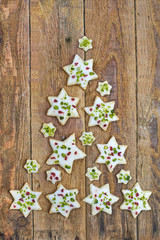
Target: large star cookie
65 152
135 200
80 72
101 113
63 200
100 199
63 107
111 154
25 200
85 43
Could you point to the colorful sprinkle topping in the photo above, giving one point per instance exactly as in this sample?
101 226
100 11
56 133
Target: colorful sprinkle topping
85 43
80 72
63 200
64 153
63 107
48 129
93 173
53 175
135 200
32 166
87 138
111 154
100 199
104 88
101 113
124 176
25 200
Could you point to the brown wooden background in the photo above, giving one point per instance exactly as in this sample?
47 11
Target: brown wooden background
38 38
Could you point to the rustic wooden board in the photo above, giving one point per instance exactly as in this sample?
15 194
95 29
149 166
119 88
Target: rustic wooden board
38 38
15 114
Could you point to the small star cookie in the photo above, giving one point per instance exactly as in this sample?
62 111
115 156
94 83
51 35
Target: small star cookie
63 200
87 138
25 200
124 176
93 173
101 113
80 72
65 152
135 200
32 166
53 175
63 107
111 154
104 88
48 129
100 199
85 43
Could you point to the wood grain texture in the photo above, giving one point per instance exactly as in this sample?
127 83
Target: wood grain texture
15 114
148 99
55 29
114 55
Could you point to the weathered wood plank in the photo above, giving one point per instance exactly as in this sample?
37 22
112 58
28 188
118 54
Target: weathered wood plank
15 114
55 29
148 82
111 25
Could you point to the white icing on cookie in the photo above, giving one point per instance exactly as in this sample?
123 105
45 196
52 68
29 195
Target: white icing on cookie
63 200
124 176
135 200
48 129
32 166
65 152
85 43
25 200
104 88
111 154
87 138
53 175
80 72
101 113
93 173
63 107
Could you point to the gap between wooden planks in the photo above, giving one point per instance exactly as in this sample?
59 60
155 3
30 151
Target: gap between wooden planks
126 53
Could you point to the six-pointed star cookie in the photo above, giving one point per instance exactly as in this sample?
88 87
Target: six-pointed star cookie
53 175
32 166
80 72
63 200
65 152
63 107
101 199
93 173
135 200
87 138
25 200
101 113
104 88
85 43
111 154
124 176
48 129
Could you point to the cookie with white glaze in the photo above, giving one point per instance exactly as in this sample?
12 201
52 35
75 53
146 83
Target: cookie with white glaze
93 173
123 176
87 138
48 129
104 88
32 166
53 175
85 43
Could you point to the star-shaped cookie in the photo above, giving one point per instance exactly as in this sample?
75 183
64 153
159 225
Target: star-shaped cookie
80 72
65 152
87 138
135 200
63 107
85 43
101 113
63 200
53 175
123 176
111 154
32 166
25 200
100 199
48 129
104 88
93 173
